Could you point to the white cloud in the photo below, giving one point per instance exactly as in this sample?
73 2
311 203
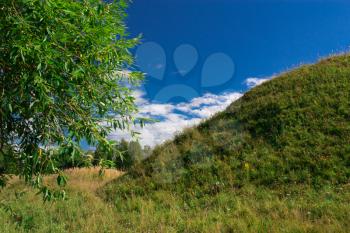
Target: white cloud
155 109
175 117
205 106
253 82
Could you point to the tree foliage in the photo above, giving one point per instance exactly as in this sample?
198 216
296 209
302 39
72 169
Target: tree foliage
62 78
135 151
124 154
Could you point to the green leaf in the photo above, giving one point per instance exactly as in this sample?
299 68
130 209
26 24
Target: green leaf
61 180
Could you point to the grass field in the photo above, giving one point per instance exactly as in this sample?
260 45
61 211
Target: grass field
250 209
24 211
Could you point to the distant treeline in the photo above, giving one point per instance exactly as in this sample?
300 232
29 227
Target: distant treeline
123 156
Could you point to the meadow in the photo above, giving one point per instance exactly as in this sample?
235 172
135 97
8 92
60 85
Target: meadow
250 209
276 160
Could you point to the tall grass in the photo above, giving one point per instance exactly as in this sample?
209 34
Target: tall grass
249 209
24 211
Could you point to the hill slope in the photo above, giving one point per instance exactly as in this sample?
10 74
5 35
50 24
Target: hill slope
292 129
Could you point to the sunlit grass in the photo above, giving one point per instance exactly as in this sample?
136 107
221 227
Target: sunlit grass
83 211
88 179
249 209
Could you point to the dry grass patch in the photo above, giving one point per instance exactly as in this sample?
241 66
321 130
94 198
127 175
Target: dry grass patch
82 211
80 179
89 179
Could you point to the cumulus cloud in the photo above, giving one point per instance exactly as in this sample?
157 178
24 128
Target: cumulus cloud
252 82
175 117
205 106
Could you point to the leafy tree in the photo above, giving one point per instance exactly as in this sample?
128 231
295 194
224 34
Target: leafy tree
102 153
124 154
62 79
124 161
65 161
135 151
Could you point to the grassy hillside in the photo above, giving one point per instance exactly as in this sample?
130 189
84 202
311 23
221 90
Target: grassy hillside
291 133
277 160
249 209
294 129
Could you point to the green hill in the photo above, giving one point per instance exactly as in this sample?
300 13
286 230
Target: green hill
276 160
293 129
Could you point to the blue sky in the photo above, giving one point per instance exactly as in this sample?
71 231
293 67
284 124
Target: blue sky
261 37
195 47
